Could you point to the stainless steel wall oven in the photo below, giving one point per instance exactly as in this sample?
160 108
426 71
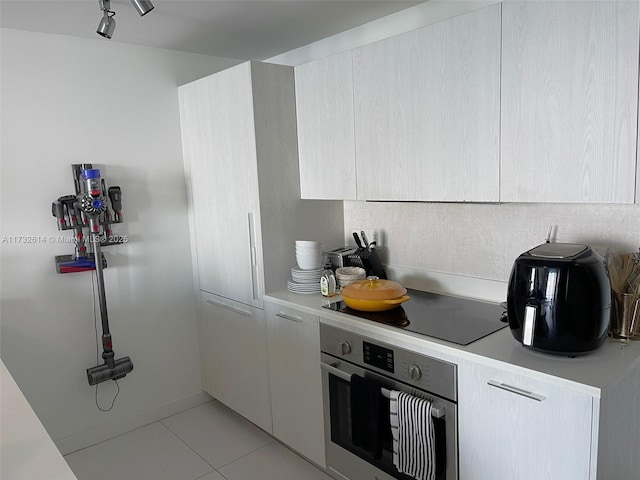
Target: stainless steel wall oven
345 354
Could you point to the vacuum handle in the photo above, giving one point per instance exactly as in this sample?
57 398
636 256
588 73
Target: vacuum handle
102 297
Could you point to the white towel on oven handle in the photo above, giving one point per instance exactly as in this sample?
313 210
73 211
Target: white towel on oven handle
413 435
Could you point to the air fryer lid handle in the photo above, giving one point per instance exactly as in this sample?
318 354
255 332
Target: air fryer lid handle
557 250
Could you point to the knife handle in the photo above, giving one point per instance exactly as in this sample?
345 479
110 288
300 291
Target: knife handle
365 239
357 239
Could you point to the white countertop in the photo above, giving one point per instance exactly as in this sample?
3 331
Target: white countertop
26 449
591 373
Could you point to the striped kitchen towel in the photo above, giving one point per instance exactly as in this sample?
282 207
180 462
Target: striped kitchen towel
413 436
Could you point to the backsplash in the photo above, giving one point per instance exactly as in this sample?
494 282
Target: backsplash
483 240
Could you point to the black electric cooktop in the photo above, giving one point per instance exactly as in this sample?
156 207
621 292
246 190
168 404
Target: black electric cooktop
457 320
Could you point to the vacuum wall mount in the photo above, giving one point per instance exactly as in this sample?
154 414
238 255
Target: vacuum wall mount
90 209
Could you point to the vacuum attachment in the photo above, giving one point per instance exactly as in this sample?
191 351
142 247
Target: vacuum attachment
112 369
102 373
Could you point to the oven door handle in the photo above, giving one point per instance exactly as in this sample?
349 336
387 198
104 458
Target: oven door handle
437 411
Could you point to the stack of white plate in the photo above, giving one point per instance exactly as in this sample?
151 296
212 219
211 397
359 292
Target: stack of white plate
304 281
308 254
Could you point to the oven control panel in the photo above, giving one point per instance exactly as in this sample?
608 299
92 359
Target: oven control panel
422 371
378 356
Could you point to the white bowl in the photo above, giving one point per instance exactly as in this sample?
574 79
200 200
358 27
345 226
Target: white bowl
309 258
348 275
308 243
309 254
351 272
310 247
309 263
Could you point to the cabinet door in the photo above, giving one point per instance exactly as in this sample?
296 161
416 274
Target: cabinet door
569 101
514 427
235 357
326 145
427 112
220 155
296 383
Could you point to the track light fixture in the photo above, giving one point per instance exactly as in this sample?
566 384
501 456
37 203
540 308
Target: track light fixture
108 24
142 6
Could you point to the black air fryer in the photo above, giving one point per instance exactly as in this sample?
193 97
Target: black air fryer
559 299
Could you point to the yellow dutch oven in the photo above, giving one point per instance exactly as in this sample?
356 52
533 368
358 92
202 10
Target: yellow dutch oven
374 295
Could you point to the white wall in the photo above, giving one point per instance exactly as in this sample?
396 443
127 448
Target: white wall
466 240
67 100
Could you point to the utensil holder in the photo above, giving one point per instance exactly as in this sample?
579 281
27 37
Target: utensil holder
625 316
369 260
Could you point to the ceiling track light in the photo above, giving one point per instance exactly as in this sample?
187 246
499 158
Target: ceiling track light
108 24
142 6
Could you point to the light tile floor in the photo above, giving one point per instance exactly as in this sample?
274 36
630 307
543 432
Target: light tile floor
208 442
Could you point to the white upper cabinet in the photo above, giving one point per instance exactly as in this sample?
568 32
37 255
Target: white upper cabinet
427 112
326 145
569 101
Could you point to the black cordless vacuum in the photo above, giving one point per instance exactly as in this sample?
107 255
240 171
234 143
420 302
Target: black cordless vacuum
93 204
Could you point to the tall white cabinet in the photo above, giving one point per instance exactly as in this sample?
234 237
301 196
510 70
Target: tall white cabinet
569 101
219 143
427 112
241 163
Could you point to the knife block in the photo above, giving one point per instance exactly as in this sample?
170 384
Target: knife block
369 260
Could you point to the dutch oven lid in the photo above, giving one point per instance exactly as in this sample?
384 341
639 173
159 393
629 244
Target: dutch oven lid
373 288
557 250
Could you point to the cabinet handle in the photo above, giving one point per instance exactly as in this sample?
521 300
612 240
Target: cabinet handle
289 317
241 311
518 391
252 253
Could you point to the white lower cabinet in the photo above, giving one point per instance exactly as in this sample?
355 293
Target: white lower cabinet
235 363
296 385
515 427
